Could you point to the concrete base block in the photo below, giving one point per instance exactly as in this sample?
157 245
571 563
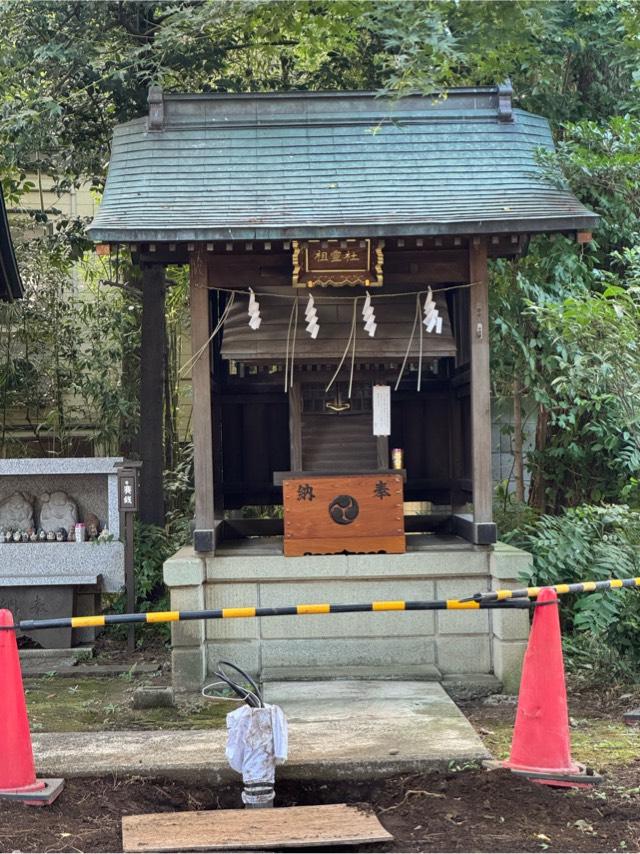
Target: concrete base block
471 686
188 668
510 629
464 654
393 645
191 632
244 654
153 697
40 603
389 673
507 663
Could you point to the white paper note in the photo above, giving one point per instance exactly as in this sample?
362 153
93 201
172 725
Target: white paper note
382 410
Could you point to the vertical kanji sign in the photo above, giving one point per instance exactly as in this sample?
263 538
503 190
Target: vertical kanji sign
128 473
127 490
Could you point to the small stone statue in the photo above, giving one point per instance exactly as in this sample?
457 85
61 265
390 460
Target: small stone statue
8 536
57 510
33 536
61 535
17 536
16 512
51 536
71 535
24 536
42 535
92 526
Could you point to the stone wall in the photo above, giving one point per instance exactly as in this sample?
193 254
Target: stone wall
502 460
462 646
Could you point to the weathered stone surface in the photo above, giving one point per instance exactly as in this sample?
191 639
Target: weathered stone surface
40 603
26 564
461 622
188 668
27 466
190 632
153 697
184 568
353 730
389 654
244 654
429 564
507 663
356 625
510 629
471 686
233 596
409 644
508 562
464 654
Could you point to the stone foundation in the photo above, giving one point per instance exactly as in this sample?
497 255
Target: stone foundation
421 645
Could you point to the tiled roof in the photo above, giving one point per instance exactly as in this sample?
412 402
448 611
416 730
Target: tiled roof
224 167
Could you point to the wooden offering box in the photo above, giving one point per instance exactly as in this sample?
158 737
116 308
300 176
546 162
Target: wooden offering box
332 514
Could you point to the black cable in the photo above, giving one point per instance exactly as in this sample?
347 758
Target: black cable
252 698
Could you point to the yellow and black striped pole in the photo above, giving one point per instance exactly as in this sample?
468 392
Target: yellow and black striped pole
560 589
287 611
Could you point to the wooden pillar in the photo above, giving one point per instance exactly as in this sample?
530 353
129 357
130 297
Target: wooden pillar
202 410
480 382
152 394
295 426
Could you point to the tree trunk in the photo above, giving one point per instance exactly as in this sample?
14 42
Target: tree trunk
152 395
518 459
537 491
129 446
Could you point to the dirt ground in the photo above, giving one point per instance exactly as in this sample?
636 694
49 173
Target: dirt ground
462 809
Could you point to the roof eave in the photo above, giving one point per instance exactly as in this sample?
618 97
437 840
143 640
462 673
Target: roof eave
535 225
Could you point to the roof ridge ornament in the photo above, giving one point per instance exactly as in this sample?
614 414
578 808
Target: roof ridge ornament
505 103
155 100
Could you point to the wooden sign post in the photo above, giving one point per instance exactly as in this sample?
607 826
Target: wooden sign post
128 499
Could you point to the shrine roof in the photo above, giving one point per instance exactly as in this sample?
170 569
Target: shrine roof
328 164
10 282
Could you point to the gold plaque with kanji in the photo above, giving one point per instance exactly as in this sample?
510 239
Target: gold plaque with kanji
337 262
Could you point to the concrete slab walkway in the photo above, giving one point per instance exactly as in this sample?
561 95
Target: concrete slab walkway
342 729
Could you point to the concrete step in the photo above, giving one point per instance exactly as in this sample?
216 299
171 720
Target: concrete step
339 729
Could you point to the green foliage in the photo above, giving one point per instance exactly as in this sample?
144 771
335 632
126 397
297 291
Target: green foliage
565 317
510 514
566 325
179 495
152 546
590 543
590 385
61 354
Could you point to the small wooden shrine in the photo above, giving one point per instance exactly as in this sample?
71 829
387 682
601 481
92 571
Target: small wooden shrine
338 246
321 202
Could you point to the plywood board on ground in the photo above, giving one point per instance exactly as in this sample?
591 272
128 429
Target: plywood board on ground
223 830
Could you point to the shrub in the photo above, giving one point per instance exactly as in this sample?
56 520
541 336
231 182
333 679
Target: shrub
591 543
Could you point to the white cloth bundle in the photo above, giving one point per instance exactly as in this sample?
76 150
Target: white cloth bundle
257 741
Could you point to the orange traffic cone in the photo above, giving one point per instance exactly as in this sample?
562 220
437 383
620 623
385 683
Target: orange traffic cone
17 770
541 747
